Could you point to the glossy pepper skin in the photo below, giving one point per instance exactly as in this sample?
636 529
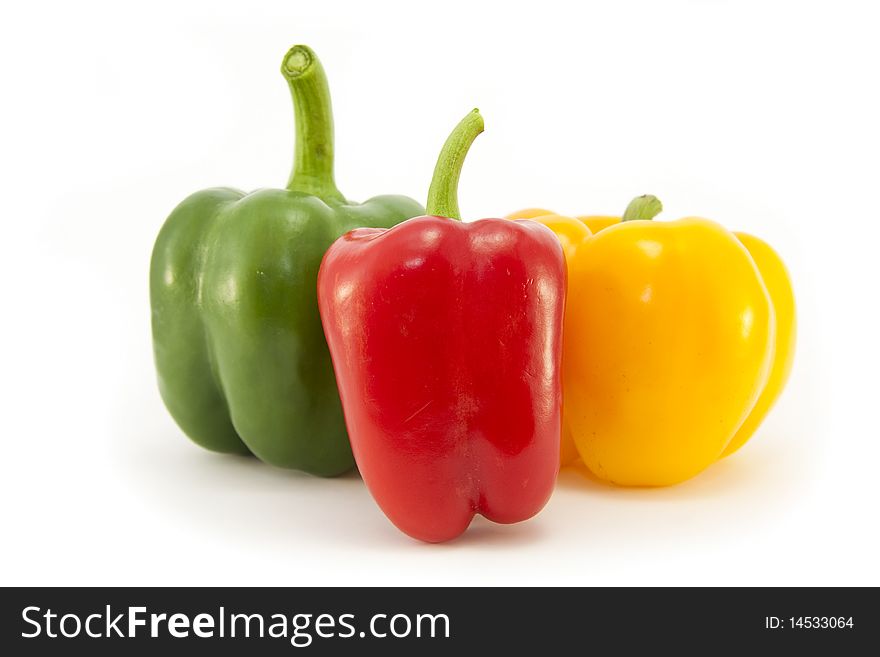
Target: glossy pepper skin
446 338
242 362
680 337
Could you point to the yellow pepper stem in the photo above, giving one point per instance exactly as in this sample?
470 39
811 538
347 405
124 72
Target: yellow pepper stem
642 207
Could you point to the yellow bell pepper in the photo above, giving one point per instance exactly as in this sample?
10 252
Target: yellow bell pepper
679 337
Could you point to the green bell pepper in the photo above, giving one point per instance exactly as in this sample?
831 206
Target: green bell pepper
242 363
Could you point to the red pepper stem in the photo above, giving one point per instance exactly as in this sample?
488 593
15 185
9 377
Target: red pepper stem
313 125
642 207
443 193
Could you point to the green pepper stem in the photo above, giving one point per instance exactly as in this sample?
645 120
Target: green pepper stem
443 193
313 124
642 207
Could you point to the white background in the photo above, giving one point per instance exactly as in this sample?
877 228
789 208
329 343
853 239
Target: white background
760 115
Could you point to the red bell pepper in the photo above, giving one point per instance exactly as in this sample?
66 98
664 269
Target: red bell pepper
446 342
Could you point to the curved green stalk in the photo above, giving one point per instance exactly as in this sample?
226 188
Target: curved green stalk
443 193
